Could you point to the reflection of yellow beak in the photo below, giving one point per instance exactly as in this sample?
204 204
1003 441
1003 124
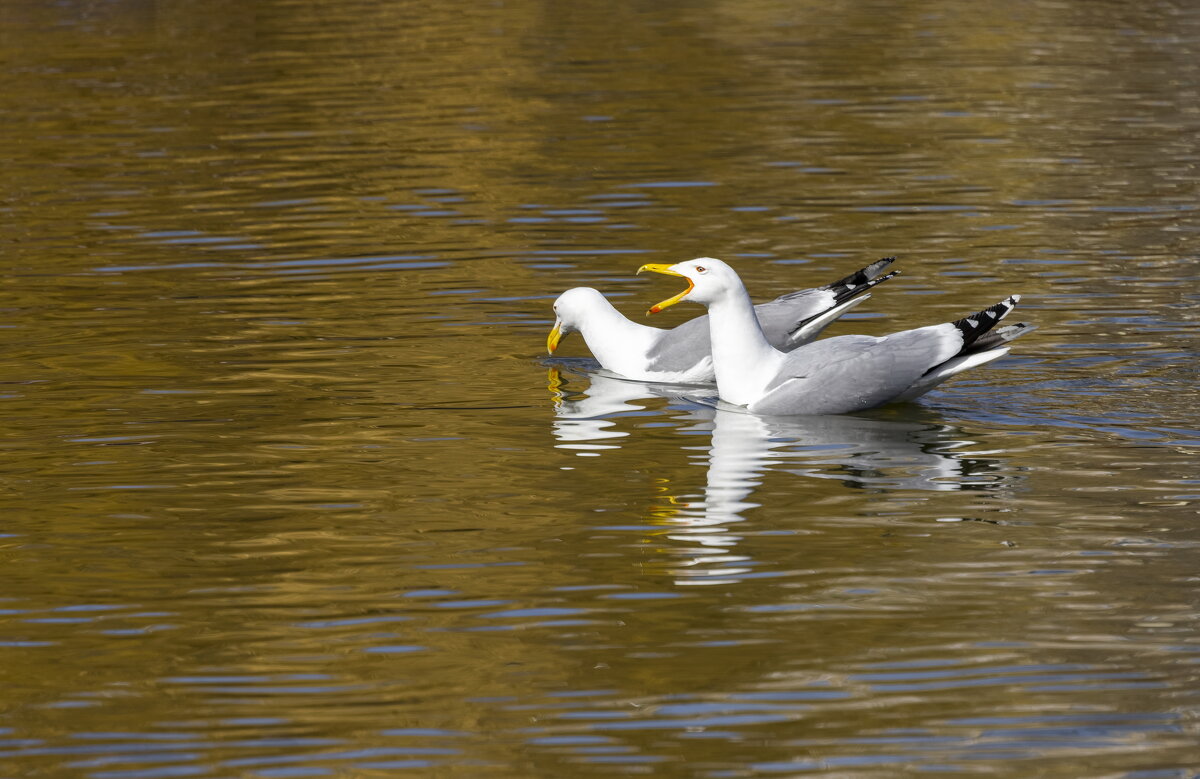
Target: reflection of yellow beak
554 383
671 300
555 336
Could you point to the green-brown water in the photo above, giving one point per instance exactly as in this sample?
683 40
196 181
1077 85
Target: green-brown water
288 488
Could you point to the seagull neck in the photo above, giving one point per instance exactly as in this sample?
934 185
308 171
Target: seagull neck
743 359
617 343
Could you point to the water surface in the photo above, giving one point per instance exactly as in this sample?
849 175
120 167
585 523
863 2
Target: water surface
288 487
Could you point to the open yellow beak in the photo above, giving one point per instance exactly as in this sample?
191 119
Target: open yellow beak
555 336
671 300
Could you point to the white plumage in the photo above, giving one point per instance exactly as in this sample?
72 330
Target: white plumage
835 375
683 354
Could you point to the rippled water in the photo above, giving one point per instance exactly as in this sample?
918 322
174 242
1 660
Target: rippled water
290 489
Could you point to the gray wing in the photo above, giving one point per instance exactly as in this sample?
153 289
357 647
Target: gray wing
784 319
779 317
856 372
681 347
994 345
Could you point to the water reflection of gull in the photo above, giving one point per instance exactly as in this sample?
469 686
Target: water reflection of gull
860 452
867 452
581 421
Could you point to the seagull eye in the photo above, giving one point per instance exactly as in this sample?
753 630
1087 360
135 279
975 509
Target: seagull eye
701 269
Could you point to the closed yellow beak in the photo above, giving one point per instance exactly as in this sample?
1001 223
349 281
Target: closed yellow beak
554 337
671 300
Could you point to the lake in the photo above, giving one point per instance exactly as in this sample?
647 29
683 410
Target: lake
289 486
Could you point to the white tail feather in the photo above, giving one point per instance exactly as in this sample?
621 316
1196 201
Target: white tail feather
812 328
950 368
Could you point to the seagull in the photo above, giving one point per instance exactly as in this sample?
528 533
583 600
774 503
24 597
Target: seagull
836 375
683 354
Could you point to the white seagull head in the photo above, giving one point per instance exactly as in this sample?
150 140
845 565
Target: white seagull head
708 279
570 310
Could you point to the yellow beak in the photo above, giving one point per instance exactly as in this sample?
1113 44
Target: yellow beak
671 300
555 336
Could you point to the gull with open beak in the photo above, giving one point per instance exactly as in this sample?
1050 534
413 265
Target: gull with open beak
835 375
683 354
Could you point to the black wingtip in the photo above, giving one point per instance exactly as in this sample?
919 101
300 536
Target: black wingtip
973 327
880 280
861 280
